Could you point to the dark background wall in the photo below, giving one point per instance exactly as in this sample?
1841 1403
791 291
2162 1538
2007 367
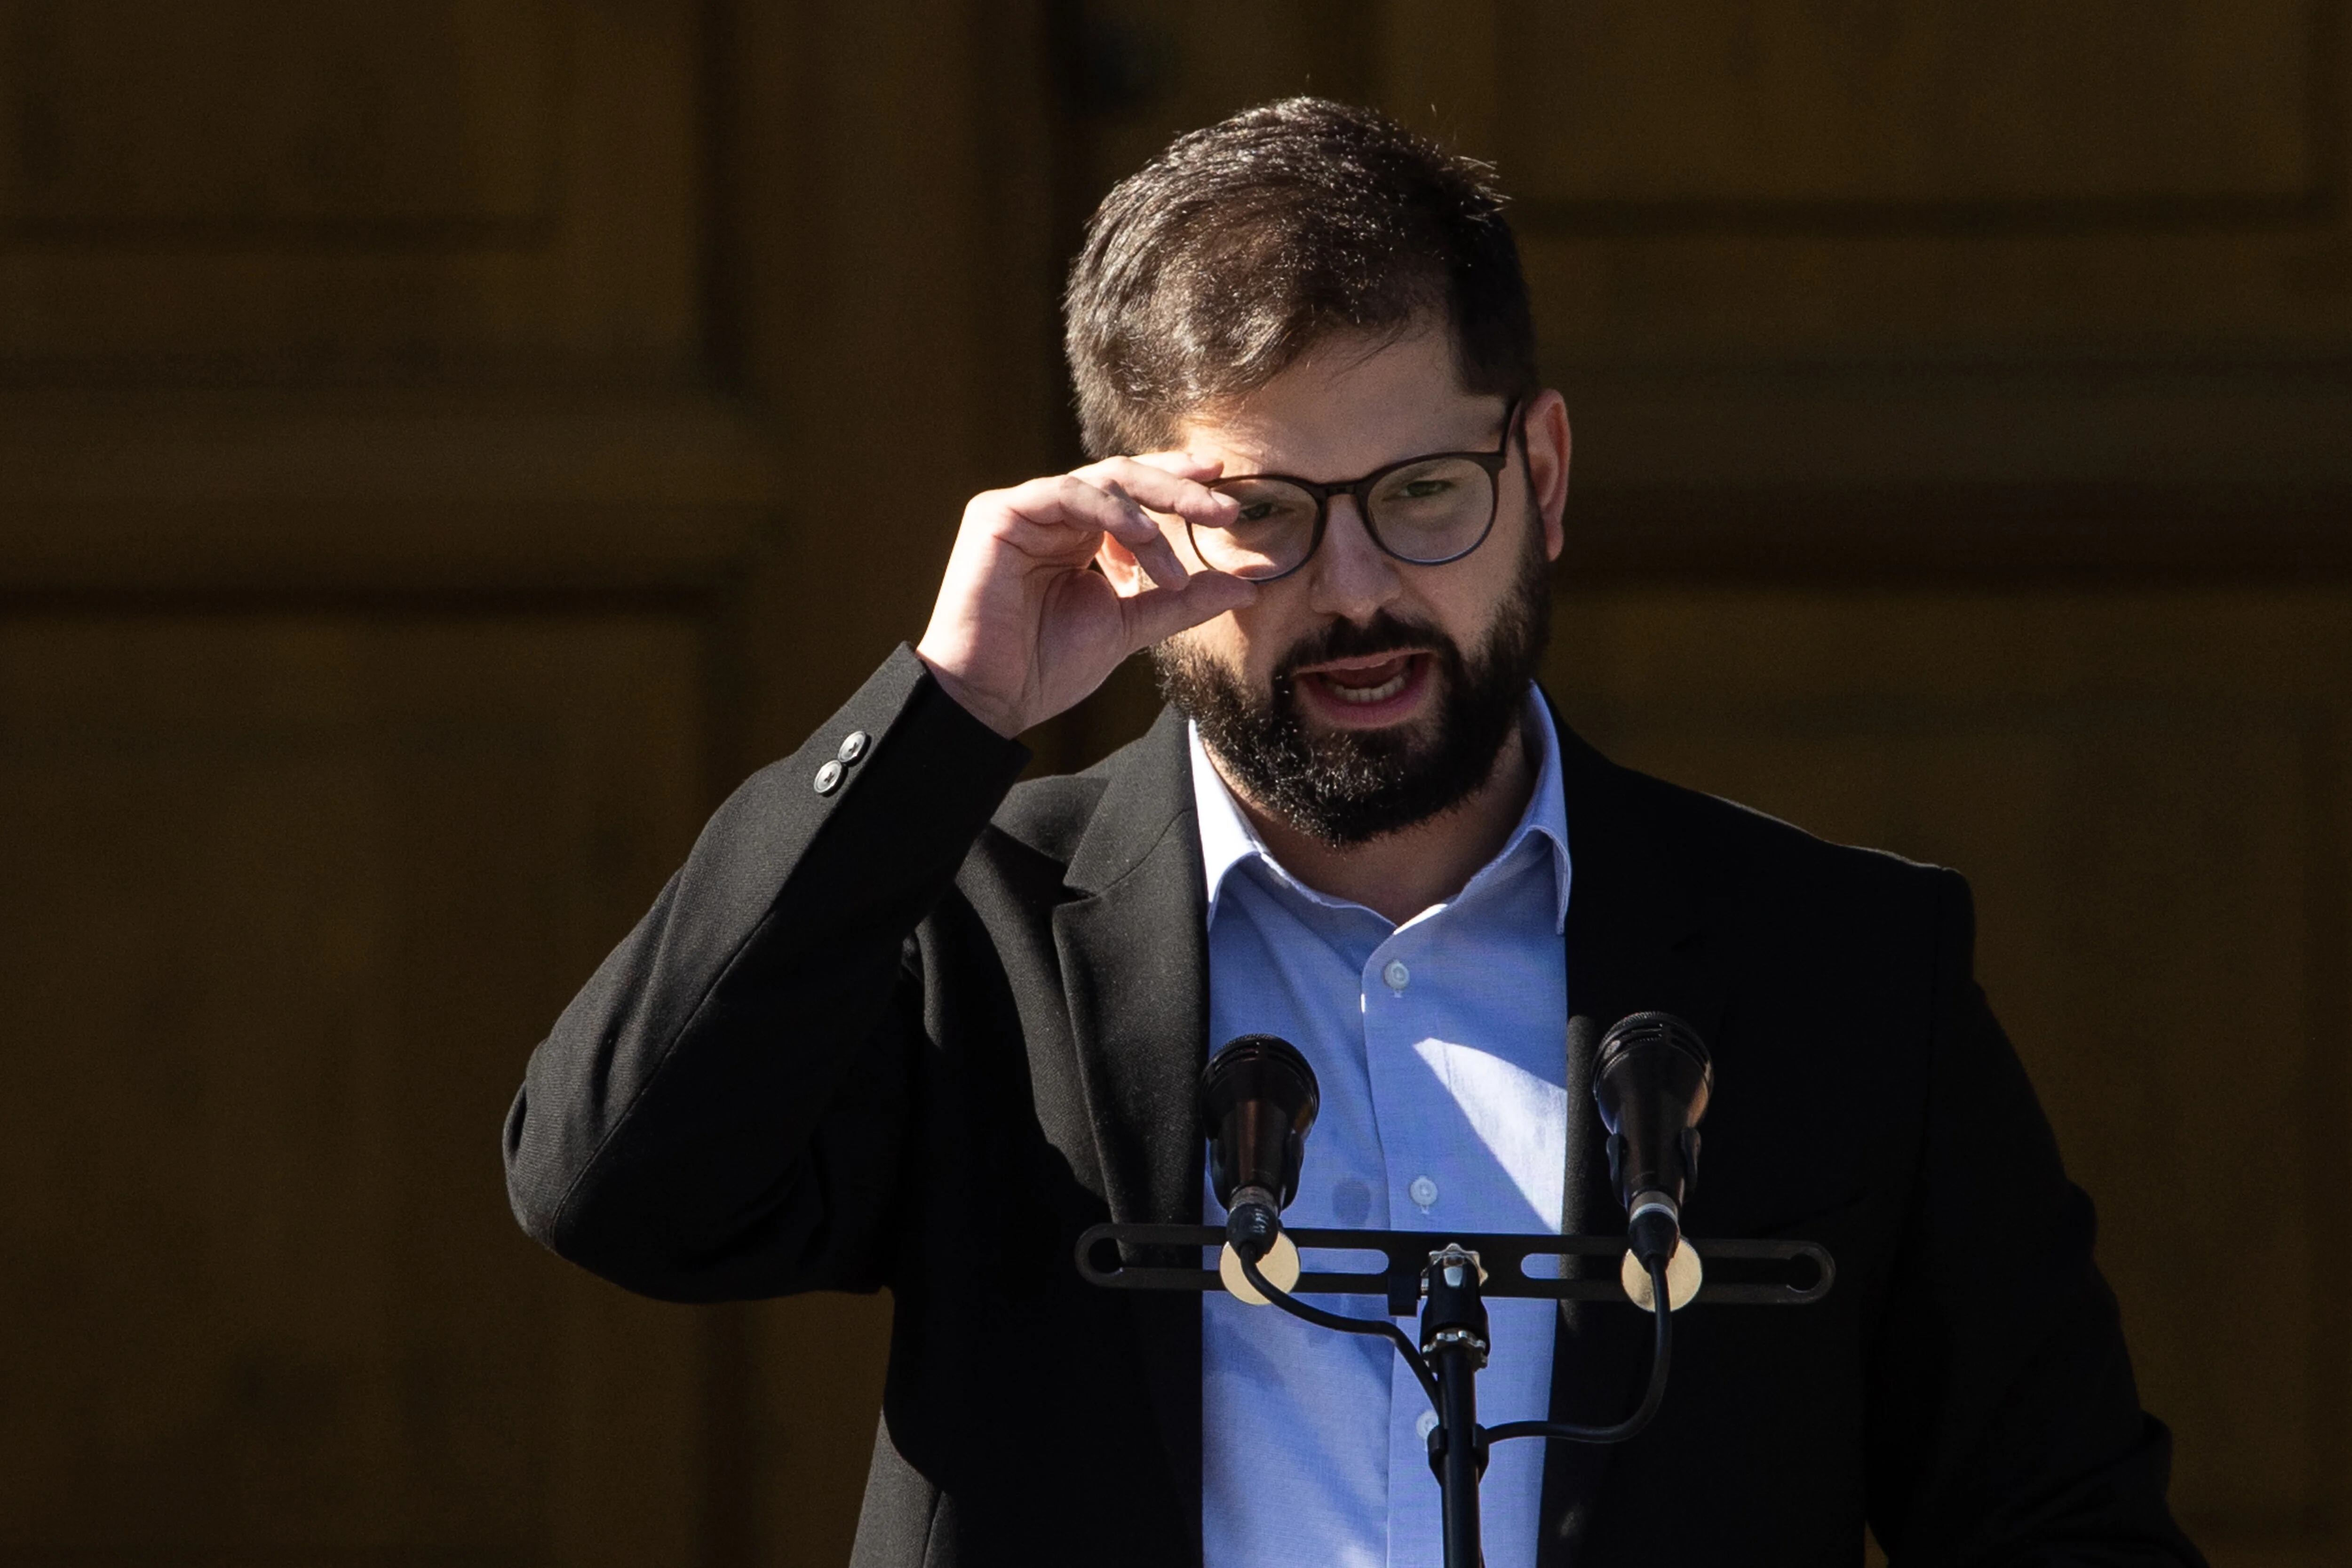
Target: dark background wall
443 444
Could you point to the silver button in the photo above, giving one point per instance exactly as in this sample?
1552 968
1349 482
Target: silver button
828 777
1425 1424
853 746
1424 1193
1396 974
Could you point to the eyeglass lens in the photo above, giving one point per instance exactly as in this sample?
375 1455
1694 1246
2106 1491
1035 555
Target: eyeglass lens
1424 513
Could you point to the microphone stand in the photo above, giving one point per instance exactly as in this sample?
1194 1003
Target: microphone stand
1451 1284
1454 1337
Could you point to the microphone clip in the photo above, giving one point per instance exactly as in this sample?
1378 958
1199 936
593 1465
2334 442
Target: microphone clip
1688 1145
1454 1311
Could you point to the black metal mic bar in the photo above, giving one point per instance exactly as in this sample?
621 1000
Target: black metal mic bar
1504 1257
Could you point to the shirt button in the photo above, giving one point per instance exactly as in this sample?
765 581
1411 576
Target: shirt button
1424 1193
853 746
1396 974
828 777
1425 1424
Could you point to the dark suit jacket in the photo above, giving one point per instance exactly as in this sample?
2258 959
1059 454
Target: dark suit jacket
919 1032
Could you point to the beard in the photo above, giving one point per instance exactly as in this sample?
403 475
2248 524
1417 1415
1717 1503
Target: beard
1345 787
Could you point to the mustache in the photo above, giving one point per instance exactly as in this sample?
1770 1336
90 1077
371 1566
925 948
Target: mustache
1384 633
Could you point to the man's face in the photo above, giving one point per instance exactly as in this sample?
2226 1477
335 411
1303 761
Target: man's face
1362 693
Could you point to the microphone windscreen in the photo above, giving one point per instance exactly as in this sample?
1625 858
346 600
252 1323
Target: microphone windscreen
1651 1079
1258 1097
1639 1032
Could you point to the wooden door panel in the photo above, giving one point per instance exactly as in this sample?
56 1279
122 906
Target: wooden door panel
288 899
2144 793
1925 103
141 121
361 191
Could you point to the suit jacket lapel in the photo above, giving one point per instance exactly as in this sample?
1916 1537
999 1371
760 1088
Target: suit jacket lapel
1133 947
1630 932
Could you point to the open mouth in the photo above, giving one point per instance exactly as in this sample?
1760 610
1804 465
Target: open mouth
1366 682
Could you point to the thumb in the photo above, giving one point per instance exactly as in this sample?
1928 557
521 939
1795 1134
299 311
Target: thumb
1161 612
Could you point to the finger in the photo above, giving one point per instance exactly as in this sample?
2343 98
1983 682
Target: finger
1071 504
1160 489
1151 550
1157 613
1183 465
1156 558
1120 567
1105 511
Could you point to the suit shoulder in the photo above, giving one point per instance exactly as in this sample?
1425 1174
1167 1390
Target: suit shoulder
1728 839
1797 915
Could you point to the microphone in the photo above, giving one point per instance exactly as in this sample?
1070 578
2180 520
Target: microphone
1259 1099
1652 1078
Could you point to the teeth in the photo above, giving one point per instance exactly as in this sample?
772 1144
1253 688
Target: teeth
1381 693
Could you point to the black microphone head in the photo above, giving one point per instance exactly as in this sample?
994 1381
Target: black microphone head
1651 1079
1259 1100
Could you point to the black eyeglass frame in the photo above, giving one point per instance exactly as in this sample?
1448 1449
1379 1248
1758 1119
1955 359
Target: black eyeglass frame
1494 462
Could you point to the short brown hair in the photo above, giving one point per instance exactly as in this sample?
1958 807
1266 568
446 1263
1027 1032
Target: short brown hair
1214 268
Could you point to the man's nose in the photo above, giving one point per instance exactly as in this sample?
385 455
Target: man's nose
1353 577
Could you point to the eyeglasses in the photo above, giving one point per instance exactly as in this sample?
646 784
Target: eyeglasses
1424 512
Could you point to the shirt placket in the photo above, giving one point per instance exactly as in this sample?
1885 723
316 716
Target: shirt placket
1394 979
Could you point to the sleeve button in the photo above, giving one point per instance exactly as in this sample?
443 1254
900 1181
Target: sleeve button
853 746
828 777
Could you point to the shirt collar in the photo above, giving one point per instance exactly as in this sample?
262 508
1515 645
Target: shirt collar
1227 838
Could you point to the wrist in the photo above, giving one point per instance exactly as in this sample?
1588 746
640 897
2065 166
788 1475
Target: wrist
996 716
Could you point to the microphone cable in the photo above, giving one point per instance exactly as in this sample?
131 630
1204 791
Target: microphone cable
1377 1328
1661 1354
1661 1358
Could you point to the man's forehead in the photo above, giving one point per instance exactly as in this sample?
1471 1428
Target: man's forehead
1350 405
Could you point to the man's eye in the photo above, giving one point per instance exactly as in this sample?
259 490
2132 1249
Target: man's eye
1256 511
1422 490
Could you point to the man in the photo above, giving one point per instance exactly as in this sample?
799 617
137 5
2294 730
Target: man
898 1023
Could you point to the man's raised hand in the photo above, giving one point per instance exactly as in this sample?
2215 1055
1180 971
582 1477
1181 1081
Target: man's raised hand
1022 630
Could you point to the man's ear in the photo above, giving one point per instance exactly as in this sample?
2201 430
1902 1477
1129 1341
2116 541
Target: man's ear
1549 444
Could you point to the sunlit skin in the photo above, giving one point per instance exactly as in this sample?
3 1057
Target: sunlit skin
1016 642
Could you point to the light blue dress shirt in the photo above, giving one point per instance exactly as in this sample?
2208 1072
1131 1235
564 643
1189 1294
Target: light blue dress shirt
1439 1045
